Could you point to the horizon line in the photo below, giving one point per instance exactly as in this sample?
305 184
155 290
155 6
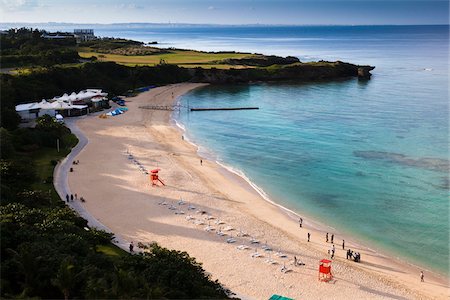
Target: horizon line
217 24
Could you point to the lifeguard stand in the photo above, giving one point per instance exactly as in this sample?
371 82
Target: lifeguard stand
325 270
155 178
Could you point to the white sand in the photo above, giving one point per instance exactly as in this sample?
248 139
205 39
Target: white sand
121 197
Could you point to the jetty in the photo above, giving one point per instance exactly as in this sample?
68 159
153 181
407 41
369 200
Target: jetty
223 108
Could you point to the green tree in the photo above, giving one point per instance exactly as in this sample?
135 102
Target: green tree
66 277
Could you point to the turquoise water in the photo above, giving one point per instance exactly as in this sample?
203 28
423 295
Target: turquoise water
367 157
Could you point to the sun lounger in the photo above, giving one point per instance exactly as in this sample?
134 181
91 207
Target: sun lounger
199 222
266 248
280 254
181 202
242 247
221 233
190 218
162 202
202 212
271 261
172 207
209 228
219 222
285 270
254 241
190 207
256 254
210 217
179 212
242 234
231 240
228 228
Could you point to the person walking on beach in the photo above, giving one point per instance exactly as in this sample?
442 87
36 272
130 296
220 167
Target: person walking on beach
76 196
332 252
309 236
332 238
67 198
422 277
131 247
327 237
71 197
300 222
201 162
295 260
343 244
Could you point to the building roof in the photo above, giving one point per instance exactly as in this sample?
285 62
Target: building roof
27 106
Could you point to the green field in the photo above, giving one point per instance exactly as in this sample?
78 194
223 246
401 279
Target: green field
182 58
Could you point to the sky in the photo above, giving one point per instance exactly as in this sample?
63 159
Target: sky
295 12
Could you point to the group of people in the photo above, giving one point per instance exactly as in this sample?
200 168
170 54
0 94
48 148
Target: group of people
332 238
356 256
72 197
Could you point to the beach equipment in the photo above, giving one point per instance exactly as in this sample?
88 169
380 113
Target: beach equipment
256 254
154 177
278 297
228 228
325 270
254 241
242 247
231 240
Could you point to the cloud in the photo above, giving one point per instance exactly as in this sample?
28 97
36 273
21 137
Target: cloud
18 5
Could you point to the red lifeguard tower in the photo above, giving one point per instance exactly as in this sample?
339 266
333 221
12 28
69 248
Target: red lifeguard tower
325 270
155 178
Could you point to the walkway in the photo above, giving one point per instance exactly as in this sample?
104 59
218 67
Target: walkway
61 183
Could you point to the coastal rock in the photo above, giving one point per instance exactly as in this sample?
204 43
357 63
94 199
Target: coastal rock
313 71
364 72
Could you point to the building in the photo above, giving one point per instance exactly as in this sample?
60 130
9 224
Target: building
75 104
83 35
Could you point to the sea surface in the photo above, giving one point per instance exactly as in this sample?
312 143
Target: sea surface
369 158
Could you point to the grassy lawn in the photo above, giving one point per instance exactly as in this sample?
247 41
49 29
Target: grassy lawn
110 250
179 57
44 169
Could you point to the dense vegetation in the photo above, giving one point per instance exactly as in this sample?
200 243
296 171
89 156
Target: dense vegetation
24 47
47 251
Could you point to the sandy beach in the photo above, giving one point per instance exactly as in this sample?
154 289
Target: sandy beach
120 196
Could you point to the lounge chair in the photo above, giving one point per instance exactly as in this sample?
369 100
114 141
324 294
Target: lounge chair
199 222
179 212
228 228
254 241
256 254
190 207
270 261
210 217
209 228
231 240
280 254
219 222
266 248
242 233
242 247
190 218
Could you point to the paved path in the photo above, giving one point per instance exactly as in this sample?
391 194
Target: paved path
61 183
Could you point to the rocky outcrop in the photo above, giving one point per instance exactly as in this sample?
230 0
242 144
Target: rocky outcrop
364 72
261 61
296 72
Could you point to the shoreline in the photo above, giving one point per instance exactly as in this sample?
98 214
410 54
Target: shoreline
293 215
232 203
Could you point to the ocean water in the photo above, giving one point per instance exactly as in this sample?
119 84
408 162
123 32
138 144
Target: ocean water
370 158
